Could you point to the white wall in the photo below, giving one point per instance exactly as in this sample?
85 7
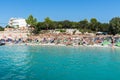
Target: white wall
17 22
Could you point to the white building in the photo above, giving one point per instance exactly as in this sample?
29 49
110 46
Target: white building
17 23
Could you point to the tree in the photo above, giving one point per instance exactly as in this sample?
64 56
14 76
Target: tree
74 25
1 28
67 24
114 25
7 26
59 25
104 27
93 24
84 24
48 23
31 21
55 25
41 26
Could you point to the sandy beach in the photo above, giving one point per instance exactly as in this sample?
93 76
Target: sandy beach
61 39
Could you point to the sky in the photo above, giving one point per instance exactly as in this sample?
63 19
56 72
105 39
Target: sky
73 10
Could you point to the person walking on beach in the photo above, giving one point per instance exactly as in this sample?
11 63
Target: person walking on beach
112 41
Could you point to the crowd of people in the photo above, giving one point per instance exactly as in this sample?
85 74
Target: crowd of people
66 40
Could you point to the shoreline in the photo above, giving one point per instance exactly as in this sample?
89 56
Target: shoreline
62 45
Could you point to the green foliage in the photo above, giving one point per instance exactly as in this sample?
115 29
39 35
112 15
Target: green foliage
81 30
84 25
7 26
94 24
74 25
67 24
1 28
93 20
114 25
62 30
48 23
31 21
86 30
104 27
40 26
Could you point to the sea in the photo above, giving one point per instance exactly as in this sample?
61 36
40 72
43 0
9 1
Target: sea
59 63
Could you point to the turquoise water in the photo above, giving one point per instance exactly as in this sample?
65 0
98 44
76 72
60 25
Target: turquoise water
59 63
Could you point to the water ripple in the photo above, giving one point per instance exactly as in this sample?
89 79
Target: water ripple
58 63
